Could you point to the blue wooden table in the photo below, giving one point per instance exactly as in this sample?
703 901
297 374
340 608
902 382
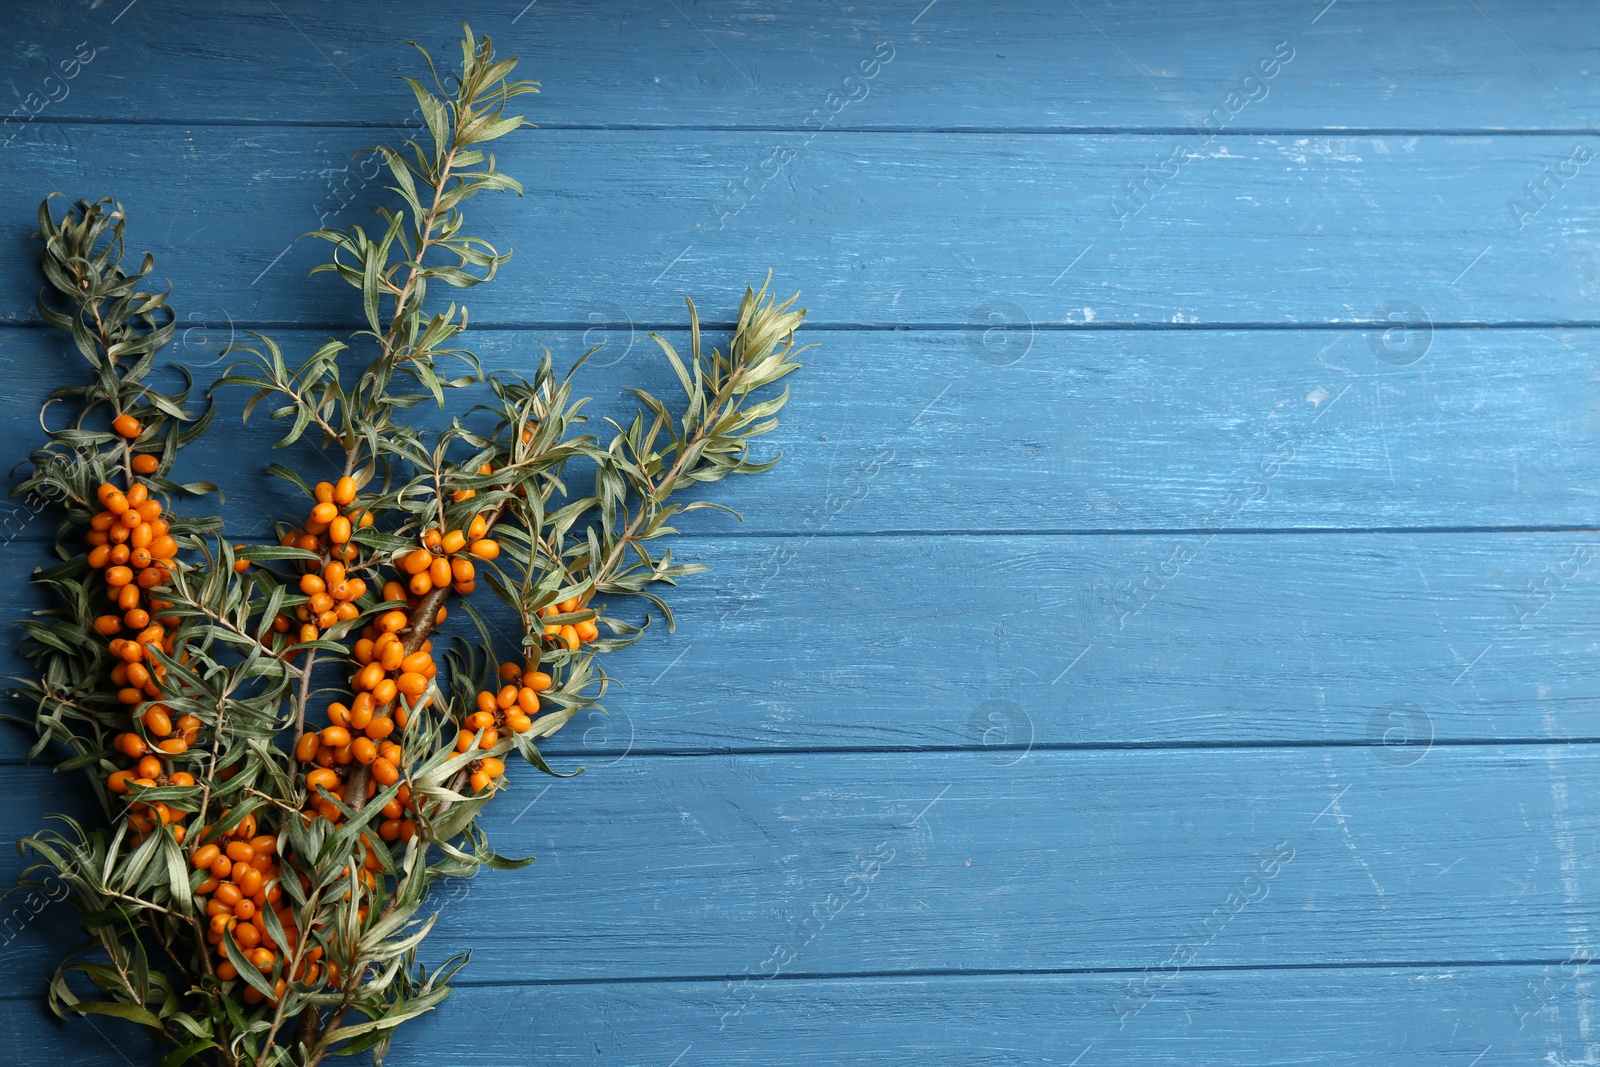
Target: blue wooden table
1170 635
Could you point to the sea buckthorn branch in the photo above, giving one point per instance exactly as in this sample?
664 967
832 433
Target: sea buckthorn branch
285 883
709 441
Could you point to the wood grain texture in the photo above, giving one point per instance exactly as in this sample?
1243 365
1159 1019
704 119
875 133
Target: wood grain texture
844 643
1167 639
1380 1017
1048 431
863 864
975 230
1422 66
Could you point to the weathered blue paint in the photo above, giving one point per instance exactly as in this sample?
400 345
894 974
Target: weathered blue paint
1168 638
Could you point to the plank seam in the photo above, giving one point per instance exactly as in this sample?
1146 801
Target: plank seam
750 752
736 534
1064 130
890 327
919 975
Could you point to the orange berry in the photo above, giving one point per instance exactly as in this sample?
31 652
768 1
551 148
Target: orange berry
156 720
416 561
384 772
306 749
145 463
453 542
335 736
323 492
369 677
323 777
339 530
485 549
127 425
384 691
344 493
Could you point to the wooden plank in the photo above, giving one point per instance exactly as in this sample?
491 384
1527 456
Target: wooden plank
974 231
734 62
1289 1018
1087 431
996 644
667 867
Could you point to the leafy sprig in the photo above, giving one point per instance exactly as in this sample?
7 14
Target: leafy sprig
350 912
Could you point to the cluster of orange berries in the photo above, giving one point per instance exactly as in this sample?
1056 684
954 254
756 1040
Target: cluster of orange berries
332 592
446 559
389 683
355 735
151 773
509 710
242 884
130 544
569 634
